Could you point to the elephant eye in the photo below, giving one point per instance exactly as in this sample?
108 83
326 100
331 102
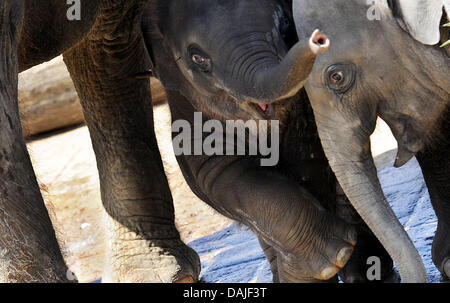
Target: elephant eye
337 77
200 60
340 77
204 64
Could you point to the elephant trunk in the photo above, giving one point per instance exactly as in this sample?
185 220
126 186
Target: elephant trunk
350 158
272 80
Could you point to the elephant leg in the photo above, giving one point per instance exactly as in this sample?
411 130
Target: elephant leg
143 242
435 164
271 255
356 269
29 251
308 242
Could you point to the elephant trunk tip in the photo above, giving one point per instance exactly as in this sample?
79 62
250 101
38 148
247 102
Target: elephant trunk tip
319 43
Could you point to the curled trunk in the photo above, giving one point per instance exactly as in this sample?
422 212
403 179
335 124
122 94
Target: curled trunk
273 80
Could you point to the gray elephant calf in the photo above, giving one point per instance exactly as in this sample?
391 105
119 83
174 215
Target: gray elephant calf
385 62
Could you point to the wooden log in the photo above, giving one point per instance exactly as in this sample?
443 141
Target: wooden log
48 100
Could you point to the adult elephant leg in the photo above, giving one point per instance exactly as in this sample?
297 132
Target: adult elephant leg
29 251
143 242
435 163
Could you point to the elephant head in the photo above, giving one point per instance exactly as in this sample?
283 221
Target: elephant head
234 57
380 64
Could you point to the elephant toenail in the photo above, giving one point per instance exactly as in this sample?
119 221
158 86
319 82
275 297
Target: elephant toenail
328 272
343 256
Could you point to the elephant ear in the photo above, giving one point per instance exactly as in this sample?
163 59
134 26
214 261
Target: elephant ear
421 18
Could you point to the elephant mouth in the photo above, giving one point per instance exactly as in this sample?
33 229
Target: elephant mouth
265 110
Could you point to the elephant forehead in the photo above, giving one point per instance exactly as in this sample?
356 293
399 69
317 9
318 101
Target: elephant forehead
224 11
200 19
354 37
345 20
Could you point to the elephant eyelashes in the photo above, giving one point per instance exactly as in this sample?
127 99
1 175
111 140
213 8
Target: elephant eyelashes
201 61
340 77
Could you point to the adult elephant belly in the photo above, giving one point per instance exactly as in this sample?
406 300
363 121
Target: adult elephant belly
51 27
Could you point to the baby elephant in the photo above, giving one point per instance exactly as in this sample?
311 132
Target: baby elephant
241 60
385 62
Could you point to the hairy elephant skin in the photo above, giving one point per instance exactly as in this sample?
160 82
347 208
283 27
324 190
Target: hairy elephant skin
385 61
288 206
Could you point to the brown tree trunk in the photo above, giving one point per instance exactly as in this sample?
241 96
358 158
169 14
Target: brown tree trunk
48 100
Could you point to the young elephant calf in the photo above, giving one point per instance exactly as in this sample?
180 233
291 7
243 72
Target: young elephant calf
391 67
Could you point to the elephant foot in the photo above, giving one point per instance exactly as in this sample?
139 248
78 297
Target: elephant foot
332 249
318 258
444 268
292 271
370 262
150 262
447 267
441 249
289 272
132 258
445 278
